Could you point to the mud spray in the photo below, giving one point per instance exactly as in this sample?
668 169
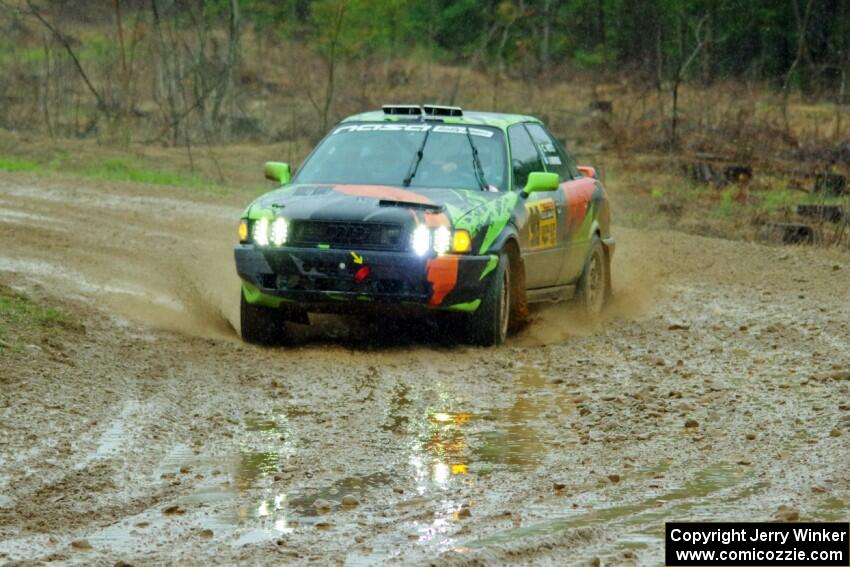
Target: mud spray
637 279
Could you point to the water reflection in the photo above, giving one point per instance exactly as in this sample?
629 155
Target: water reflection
397 421
452 445
517 435
254 464
265 451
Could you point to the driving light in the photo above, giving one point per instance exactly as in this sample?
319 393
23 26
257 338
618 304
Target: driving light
261 232
243 231
421 240
462 242
280 229
442 240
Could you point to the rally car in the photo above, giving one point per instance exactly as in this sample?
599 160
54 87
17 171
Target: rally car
426 207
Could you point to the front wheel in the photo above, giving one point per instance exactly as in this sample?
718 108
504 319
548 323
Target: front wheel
593 284
260 325
488 325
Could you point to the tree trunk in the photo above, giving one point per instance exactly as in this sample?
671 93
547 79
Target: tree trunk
544 40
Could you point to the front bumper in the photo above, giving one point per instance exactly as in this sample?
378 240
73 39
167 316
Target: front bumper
316 277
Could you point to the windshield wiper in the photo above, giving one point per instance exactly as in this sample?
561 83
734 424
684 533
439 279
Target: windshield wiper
476 164
411 172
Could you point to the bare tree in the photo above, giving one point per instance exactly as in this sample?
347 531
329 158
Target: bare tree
550 8
101 102
681 71
330 48
802 30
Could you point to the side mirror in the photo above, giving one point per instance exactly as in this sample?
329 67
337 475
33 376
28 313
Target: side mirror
277 171
541 181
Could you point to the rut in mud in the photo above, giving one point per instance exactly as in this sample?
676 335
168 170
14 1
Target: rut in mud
717 388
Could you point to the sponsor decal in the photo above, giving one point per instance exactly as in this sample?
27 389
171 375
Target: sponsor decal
542 224
440 129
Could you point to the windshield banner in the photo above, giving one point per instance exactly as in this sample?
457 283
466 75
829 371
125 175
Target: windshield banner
442 129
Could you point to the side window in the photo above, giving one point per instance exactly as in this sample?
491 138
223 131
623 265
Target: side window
554 155
524 156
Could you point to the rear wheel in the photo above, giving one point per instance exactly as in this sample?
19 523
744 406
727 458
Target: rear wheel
261 325
593 284
488 325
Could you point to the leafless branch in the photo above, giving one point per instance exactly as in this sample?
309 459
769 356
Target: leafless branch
101 103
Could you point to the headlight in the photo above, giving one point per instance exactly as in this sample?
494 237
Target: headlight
280 230
265 232
261 232
421 240
441 240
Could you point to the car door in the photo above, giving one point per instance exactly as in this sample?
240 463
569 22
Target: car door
574 227
543 250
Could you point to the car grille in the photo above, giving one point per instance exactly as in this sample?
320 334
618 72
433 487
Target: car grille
360 235
347 283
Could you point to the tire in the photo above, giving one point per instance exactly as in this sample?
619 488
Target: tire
593 288
260 325
488 325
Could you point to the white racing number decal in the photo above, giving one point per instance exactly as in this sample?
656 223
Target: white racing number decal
442 129
542 224
550 154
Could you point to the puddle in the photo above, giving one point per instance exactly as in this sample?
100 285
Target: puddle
450 443
233 493
303 504
276 512
650 512
265 450
255 464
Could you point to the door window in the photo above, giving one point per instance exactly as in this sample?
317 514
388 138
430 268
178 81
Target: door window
556 158
524 156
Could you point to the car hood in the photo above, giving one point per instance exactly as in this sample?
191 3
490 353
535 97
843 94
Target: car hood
367 203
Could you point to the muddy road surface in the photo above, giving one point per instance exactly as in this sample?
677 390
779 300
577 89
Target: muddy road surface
717 388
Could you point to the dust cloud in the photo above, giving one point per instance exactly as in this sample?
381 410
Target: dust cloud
637 280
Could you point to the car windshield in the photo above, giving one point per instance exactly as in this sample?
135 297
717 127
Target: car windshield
387 154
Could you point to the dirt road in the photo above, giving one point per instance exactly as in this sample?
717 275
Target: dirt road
718 388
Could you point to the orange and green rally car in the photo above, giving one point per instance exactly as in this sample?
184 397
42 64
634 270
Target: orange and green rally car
425 207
